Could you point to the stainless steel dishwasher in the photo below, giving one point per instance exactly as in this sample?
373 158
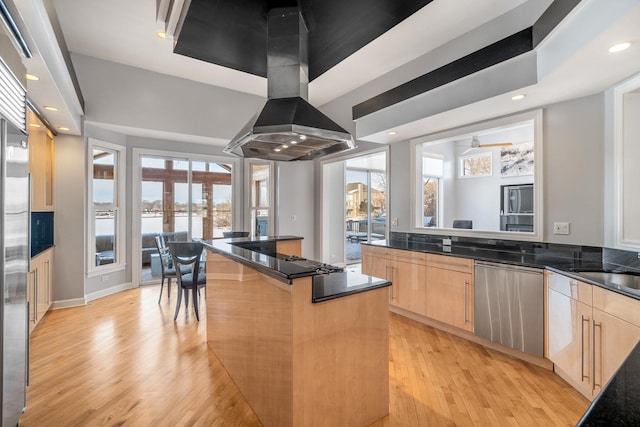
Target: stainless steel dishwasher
508 306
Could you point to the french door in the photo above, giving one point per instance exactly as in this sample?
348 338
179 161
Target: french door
181 198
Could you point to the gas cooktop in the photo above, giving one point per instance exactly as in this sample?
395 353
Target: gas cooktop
310 265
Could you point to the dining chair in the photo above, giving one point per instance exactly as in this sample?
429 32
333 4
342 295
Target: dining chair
166 263
188 254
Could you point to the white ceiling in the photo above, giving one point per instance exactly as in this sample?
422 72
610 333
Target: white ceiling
123 31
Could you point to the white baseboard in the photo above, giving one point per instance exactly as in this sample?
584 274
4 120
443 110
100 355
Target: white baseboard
109 291
67 303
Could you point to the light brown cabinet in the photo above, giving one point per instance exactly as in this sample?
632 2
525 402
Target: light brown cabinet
41 161
406 270
450 290
40 286
435 286
590 331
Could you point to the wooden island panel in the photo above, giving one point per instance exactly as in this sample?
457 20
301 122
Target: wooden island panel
299 363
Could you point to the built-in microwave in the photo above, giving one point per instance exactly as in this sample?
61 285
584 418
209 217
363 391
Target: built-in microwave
517 199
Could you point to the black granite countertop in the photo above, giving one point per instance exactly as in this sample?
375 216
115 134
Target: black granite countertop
336 285
529 258
258 254
618 404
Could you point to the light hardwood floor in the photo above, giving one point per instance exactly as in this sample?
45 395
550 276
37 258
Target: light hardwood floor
121 360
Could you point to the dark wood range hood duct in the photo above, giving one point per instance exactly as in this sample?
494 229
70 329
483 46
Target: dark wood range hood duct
288 127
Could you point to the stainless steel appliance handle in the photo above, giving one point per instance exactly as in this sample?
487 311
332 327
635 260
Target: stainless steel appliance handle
584 319
509 267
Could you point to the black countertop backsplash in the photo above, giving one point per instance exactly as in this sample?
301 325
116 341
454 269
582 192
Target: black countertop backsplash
530 254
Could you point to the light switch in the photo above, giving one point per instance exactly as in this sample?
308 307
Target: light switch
560 228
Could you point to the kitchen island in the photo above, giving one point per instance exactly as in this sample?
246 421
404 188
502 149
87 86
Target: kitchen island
306 346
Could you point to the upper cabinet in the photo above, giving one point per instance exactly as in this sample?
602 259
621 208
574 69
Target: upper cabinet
41 161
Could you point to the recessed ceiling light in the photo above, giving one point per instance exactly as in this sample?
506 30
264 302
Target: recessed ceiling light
619 47
303 137
284 146
293 142
31 77
64 129
161 34
277 149
518 97
34 125
393 132
50 108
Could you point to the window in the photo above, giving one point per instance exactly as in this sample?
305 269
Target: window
475 165
261 194
106 207
432 169
445 188
183 197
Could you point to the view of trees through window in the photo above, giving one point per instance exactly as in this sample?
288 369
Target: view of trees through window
479 165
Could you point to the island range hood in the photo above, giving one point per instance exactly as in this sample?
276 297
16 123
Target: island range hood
288 127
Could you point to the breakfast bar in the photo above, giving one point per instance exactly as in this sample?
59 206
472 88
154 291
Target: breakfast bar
306 344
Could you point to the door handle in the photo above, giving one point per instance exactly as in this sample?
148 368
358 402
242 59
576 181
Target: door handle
466 317
584 319
593 331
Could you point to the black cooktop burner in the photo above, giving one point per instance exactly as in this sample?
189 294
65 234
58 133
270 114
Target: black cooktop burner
310 265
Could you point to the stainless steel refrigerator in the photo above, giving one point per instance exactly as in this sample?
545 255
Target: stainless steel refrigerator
14 266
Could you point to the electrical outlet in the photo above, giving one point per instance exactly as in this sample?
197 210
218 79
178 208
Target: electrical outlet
446 242
105 278
560 228
394 221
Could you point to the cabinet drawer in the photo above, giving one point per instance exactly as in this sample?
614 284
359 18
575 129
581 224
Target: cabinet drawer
462 265
410 256
375 250
570 287
620 306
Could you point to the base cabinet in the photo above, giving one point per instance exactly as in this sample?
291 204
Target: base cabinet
569 343
405 270
590 331
40 287
408 290
435 286
450 291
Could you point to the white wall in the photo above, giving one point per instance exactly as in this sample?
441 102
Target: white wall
295 203
69 217
333 209
573 172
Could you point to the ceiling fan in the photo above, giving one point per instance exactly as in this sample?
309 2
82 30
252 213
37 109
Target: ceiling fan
475 143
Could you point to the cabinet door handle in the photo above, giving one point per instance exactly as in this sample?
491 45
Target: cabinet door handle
584 319
593 332
47 281
35 292
393 296
466 317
